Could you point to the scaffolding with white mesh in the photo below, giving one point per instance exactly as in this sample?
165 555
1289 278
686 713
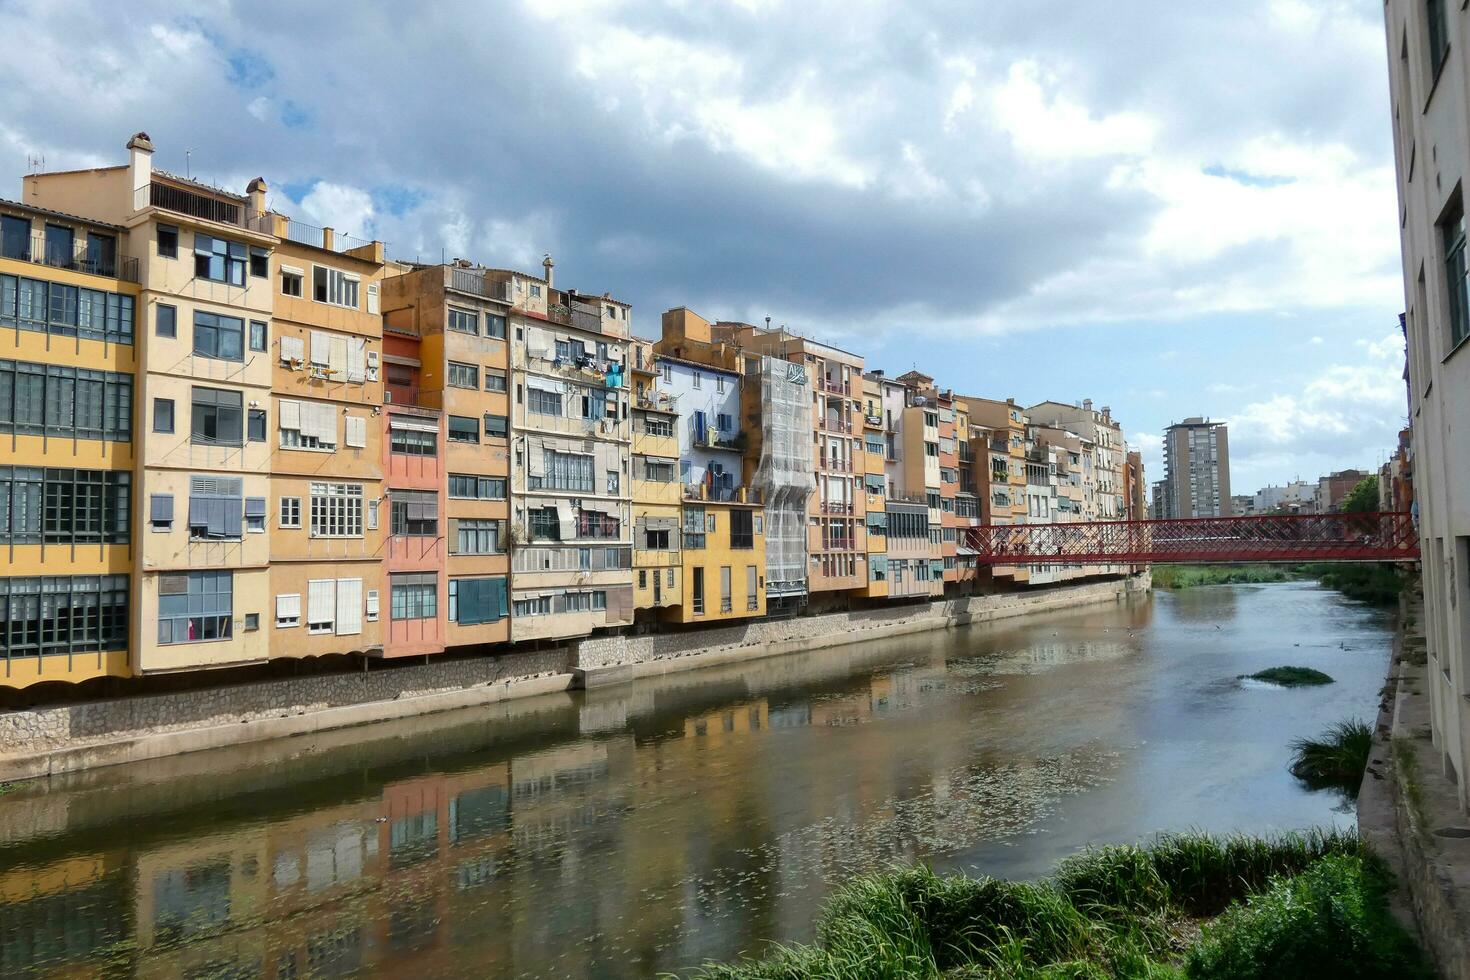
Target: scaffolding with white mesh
785 476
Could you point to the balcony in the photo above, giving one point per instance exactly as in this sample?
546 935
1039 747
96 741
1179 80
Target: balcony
703 492
76 256
834 465
717 439
598 528
830 424
195 205
836 507
873 421
834 386
474 282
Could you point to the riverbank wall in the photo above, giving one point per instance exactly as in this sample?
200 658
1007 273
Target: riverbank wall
1408 808
64 738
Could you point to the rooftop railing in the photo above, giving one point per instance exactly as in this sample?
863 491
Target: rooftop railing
74 256
195 205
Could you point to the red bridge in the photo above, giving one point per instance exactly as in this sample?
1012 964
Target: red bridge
1281 538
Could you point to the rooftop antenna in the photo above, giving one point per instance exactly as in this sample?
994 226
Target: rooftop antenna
188 168
36 164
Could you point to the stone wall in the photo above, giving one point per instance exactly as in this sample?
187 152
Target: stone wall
28 735
613 659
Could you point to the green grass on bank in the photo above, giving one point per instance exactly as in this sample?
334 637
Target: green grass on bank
1376 583
1189 576
1314 901
1289 676
1336 758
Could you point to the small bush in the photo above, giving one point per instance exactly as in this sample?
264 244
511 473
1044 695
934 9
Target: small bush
1188 576
1329 922
1289 676
1371 582
1335 759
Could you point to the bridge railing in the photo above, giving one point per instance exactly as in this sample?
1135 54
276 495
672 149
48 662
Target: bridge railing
1265 538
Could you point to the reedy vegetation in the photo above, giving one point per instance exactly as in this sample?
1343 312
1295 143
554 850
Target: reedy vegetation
1121 911
1337 757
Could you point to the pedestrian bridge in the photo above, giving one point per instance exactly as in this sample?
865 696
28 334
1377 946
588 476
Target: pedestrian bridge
1270 538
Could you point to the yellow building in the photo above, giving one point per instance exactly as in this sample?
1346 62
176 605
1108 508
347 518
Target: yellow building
204 387
326 443
875 485
657 573
723 558
68 382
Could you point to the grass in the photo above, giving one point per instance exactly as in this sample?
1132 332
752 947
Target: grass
1336 758
1189 576
1122 911
1407 761
1375 583
1289 676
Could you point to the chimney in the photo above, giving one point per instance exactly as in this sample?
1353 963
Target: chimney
140 169
548 265
1087 404
255 191
1107 413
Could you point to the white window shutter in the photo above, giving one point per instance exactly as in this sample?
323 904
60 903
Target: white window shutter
349 606
372 605
356 359
293 349
337 359
372 297
356 432
322 598
288 607
372 515
321 348
290 413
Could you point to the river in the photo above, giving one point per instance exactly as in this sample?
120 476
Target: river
649 828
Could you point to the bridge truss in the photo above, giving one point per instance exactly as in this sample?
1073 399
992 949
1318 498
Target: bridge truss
1269 538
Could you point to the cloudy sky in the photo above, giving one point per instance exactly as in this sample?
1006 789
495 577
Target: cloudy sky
1173 209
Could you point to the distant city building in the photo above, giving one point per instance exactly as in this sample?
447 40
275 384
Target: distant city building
1290 497
1196 469
1242 505
1333 487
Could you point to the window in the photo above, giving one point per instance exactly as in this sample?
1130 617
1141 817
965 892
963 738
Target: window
475 537
463 375
412 442
656 425
218 260
931 449
464 321
495 427
477 600
215 508
694 524
163 415
543 524
752 595
494 380
292 282
535 290
219 337
658 472
290 512
59 615
336 510
465 487
462 429
160 511
414 596
495 326
543 402
165 320
742 529
168 241
698 592
255 425
307 425
612 481
334 287
720 386
536 606
656 540
255 514
1452 237
726 605
698 379
257 335
415 513
288 610
564 471
56 506
260 262
1439 35
571 350
217 418
195 607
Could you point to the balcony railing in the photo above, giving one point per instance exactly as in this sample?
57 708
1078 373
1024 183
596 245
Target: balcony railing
836 465
834 425
74 257
876 421
725 495
836 387
599 529
725 604
473 281
836 507
192 204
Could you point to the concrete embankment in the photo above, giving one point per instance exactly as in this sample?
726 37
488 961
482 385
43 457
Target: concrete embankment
1409 809
72 737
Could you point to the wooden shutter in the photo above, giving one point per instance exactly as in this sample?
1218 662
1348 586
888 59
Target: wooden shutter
349 606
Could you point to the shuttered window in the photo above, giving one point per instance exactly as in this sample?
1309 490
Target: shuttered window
477 600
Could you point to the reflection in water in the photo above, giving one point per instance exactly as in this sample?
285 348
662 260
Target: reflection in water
642 829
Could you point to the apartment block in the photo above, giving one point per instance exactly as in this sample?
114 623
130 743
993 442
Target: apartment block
325 443
1005 500
876 439
69 302
1196 469
571 469
1429 78
657 489
454 318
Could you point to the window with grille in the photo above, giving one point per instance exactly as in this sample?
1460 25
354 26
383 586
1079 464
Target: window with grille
543 524
290 512
565 471
415 513
694 527
336 510
76 403
58 506
61 615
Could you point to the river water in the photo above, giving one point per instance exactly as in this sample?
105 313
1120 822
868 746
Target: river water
650 828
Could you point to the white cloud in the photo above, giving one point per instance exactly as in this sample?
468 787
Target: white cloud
1045 123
